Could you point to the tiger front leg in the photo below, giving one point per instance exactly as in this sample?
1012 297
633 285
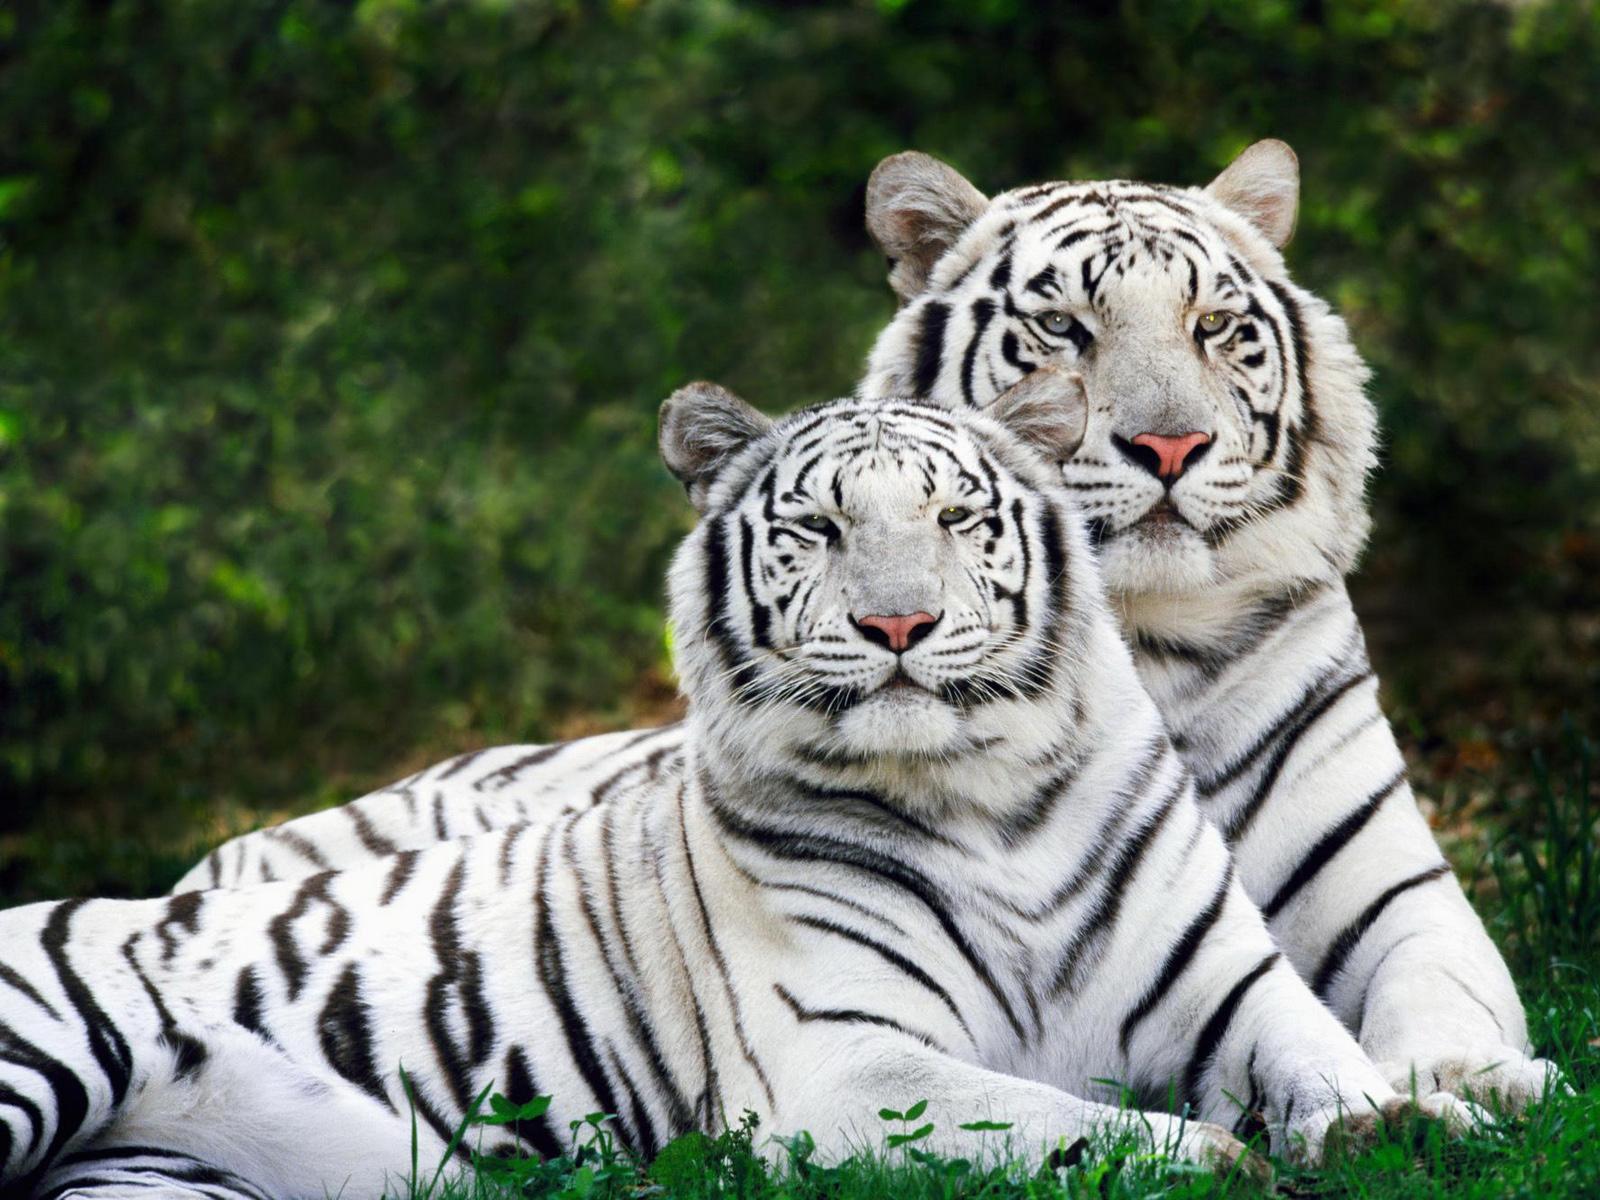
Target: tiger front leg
853 1077
1239 1037
1441 1014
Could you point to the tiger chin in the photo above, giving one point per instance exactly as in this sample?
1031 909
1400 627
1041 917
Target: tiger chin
762 926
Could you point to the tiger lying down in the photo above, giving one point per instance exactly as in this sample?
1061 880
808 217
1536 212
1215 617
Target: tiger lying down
1221 476
928 839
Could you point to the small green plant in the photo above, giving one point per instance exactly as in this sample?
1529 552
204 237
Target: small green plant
907 1135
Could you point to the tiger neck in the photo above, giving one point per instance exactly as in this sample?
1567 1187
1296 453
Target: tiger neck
1224 618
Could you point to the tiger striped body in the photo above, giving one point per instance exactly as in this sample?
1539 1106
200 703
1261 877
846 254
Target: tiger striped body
967 867
475 793
1228 577
1278 713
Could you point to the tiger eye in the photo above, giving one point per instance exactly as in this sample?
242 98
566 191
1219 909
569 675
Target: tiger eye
954 515
1214 321
1057 322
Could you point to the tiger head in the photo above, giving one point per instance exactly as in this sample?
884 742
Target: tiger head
881 581
1229 437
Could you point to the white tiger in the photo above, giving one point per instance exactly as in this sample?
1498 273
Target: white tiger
928 839
1224 474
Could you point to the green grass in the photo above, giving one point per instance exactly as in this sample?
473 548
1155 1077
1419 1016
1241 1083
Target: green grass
1547 1152
1543 902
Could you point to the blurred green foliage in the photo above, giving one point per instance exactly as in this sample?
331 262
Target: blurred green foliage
331 334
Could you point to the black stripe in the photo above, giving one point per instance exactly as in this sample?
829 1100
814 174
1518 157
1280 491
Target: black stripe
456 986
11 1098
760 617
280 930
1018 598
1350 937
1216 1028
71 1098
893 957
112 1154
301 845
865 808
1009 350
520 1091
405 865
511 770
460 763
189 1054
12 978
1019 826
625 985
183 911
716 949
1240 821
247 1002
708 1105
718 627
1316 692
109 1047
1108 904
1297 338
344 1030
191 1177
435 1119
645 1140
929 347
1178 958
507 845
552 970
1100 843
982 314
1330 844
373 841
1039 671
159 1185
850 1016
1209 662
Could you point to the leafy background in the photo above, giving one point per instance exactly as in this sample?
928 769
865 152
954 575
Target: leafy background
331 337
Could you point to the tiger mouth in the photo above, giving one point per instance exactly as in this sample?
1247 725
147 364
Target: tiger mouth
1163 515
900 682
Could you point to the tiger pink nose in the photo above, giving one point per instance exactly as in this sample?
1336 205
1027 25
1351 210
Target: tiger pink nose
897 632
1172 452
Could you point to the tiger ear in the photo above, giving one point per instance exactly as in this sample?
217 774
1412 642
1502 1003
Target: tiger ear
916 209
1048 409
702 427
1262 185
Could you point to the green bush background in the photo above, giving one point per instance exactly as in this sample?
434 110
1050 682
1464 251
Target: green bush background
331 338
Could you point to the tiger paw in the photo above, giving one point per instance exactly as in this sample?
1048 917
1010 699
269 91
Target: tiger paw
1500 1078
1214 1147
1334 1133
